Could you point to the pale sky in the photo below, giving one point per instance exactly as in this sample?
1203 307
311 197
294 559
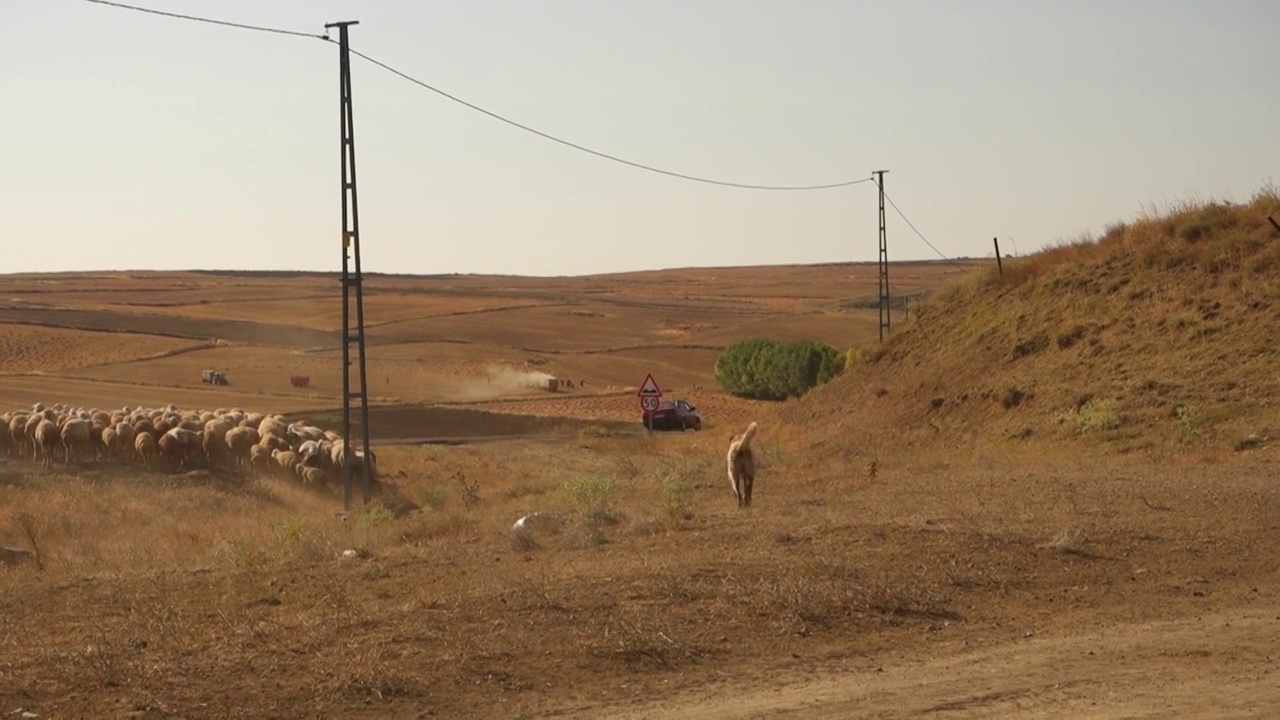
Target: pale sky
135 141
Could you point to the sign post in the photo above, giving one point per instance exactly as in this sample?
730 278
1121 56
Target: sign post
650 397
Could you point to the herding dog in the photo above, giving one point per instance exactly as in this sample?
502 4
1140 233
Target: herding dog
742 466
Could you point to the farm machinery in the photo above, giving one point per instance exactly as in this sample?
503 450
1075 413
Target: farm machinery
214 377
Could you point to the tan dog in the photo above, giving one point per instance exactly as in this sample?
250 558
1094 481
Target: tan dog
742 466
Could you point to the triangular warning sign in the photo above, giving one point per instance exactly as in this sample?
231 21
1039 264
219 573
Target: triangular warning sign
649 388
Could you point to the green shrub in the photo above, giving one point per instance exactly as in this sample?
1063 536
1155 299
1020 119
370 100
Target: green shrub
773 370
373 516
1094 416
434 497
589 492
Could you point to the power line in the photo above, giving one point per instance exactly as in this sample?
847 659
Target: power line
917 232
259 28
597 153
491 114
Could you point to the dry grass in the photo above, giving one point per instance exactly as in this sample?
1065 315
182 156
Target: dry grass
1111 340
430 339
1000 505
96 521
653 576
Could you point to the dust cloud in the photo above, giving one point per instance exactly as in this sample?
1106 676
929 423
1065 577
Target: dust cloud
501 381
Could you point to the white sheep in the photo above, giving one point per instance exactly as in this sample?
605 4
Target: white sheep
176 438
76 438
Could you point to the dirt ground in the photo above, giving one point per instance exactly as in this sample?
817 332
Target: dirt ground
1217 665
946 575
937 588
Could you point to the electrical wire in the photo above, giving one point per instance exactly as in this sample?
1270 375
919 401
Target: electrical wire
526 128
259 28
917 232
597 153
496 116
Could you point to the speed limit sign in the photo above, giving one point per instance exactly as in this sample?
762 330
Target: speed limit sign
649 403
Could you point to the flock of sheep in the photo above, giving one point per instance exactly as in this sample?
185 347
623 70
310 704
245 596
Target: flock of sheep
172 439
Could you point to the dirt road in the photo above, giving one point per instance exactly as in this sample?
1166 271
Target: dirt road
24 390
1219 665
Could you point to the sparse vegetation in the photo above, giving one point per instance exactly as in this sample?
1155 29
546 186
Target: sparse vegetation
468 490
1188 422
1031 345
1096 415
589 493
1072 541
1172 294
895 519
434 497
1013 397
675 498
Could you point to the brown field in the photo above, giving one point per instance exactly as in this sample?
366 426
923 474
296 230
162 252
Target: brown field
1048 494
313 310
435 339
36 349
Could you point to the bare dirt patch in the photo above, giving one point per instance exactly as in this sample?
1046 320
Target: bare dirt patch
1188 667
27 348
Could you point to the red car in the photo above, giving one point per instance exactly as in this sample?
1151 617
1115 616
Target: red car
673 415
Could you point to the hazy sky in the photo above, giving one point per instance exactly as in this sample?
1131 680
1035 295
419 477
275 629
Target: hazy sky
136 141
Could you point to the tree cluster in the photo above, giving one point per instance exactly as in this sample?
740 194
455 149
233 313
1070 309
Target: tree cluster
775 370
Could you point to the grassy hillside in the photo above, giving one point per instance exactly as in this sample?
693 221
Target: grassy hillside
1158 336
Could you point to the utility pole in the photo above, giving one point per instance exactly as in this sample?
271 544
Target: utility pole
352 279
884 260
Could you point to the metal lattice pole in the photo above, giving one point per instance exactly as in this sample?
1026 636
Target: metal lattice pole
352 279
884 261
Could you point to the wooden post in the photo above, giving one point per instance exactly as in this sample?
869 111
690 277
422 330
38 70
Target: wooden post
1274 224
999 262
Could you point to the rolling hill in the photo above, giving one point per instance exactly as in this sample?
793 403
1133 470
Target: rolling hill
1161 334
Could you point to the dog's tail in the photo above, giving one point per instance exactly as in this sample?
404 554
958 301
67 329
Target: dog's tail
747 436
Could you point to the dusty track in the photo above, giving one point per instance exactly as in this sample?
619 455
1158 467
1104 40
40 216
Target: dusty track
1215 665
416 424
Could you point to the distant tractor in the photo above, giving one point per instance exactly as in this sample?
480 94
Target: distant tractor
214 377
300 381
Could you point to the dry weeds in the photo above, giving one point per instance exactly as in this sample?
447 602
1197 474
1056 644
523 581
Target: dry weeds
233 595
